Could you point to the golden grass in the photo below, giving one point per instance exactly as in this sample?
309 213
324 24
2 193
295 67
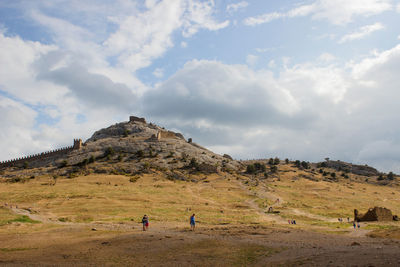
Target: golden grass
113 198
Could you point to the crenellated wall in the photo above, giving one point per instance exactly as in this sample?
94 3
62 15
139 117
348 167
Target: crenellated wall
41 156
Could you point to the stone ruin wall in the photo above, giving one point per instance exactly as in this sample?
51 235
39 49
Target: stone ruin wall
374 214
134 118
41 156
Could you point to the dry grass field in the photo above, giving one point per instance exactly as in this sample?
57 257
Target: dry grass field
95 220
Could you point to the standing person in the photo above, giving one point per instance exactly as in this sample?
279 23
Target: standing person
192 222
358 225
145 222
354 224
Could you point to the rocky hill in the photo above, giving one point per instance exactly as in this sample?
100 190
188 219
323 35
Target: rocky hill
133 147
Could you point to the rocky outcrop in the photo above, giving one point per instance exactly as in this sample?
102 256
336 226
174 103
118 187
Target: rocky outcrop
364 170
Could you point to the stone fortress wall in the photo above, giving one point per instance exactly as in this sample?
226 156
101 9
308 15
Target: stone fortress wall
42 156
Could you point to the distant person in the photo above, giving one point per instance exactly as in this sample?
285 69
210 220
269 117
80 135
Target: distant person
294 221
192 222
358 225
145 222
288 221
348 219
354 225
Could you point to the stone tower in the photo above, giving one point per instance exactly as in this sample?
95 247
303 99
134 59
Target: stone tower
77 143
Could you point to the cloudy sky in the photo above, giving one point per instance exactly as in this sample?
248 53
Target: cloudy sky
298 79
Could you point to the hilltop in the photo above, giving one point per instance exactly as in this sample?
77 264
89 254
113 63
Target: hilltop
128 148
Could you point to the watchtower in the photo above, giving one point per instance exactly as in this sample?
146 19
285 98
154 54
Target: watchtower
77 143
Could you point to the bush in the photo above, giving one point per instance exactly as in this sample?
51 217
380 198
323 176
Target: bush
276 161
140 153
380 178
333 175
119 157
297 163
109 151
321 171
259 167
126 133
287 161
250 169
255 168
193 163
271 161
274 169
390 176
305 165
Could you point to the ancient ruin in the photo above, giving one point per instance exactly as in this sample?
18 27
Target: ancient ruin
374 214
136 119
19 162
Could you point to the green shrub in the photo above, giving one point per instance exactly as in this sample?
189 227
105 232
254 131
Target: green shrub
109 152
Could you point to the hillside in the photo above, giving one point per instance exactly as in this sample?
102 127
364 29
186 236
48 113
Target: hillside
85 207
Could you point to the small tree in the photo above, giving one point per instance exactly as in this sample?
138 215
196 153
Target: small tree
26 165
305 165
274 169
297 163
276 161
390 176
250 169
271 161
287 161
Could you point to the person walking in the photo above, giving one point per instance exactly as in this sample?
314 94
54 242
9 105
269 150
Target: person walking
145 222
192 222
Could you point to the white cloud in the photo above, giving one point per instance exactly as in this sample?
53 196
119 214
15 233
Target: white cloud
251 60
184 44
307 111
145 36
17 121
231 8
338 12
198 16
158 72
326 57
362 32
398 8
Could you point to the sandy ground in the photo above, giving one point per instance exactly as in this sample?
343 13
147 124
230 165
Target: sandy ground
173 244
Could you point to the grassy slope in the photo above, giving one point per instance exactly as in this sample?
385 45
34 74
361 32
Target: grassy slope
216 199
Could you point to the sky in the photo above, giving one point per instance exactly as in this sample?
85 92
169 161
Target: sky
297 79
